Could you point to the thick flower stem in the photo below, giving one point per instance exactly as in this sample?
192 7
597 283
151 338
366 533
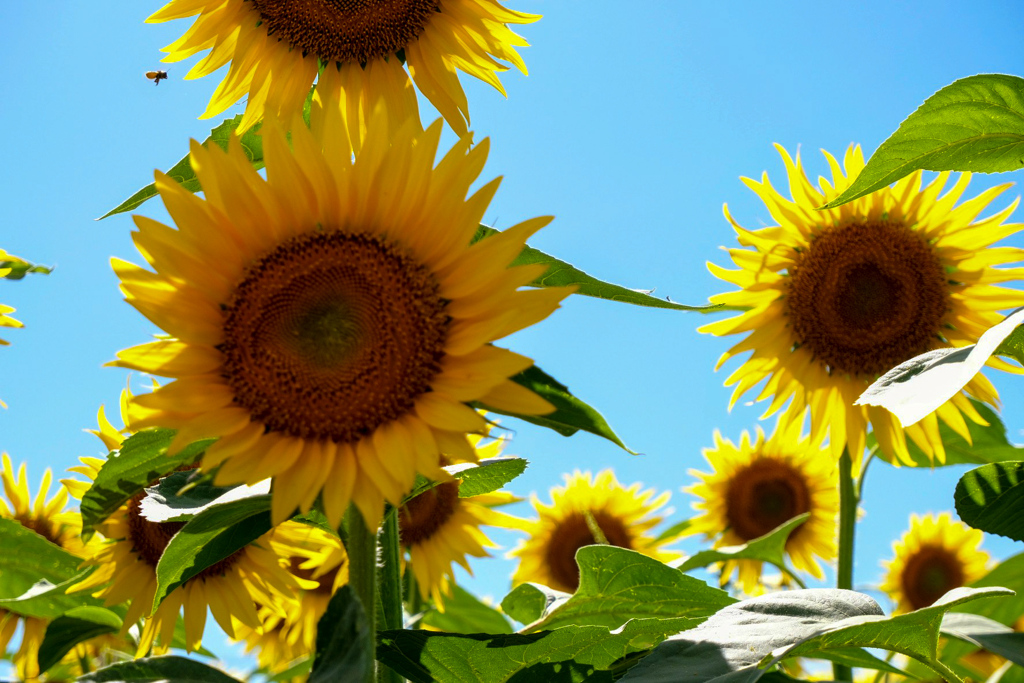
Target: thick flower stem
390 585
847 526
362 576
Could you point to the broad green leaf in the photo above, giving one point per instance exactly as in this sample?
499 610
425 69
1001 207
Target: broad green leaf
76 626
166 502
141 461
341 641
46 600
973 124
486 476
917 387
617 585
985 633
770 548
169 669
529 601
991 498
26 559
987 444
298 670
182 171
1008 574
570 654
855 657
17 268
744 640
465 613
561 274
570 415
211 536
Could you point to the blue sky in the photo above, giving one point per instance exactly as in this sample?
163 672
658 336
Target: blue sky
633 128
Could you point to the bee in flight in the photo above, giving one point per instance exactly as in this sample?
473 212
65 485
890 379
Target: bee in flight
156 76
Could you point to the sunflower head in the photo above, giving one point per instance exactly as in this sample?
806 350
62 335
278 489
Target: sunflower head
761 483
934 556
835 298
353 50
331 322
586 508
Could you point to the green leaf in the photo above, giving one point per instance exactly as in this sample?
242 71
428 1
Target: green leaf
1009 574
770 548
181 172
211 536
77 626
141 461
19 267
486 476
571 414
985 633
465 613
988 444
742 641
991 498
46 600
341 641
570 654
28 558
973 124
166 502
617 585
170 669
561 274
529 601
674 531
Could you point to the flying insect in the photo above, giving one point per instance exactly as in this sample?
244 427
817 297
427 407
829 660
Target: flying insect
156 76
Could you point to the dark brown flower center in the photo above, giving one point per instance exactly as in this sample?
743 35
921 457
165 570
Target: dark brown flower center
331 335
421 517
49 530
571 534
346 30
865 297
929 574
763 495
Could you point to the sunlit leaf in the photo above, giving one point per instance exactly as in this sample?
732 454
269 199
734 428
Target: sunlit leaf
158 670
26 559
770 548
141 461
46 600
570 415
211 536
973 124
985 633
991 498
166 502
341 641
529 601
561 274
617 585
76 626
465 613
487 475
181 172
1009 574
14 268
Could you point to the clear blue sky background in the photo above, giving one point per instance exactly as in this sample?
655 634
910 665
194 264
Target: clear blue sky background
633 128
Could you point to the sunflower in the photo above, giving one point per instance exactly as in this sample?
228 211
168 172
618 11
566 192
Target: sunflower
756 486
287 635
126 570
330 323
438 528
276 48
49 519
932 558
623 515
837 297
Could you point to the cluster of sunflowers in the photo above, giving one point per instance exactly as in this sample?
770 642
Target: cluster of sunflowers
325 451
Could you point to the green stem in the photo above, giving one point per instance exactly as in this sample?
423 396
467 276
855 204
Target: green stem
390 584
413 599
362 576
847 525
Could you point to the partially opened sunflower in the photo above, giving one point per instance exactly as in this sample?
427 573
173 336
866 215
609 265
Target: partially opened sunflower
275 50
837 297
330 323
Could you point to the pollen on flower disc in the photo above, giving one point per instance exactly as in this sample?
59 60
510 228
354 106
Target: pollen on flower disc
572 534
331 335
929 574
420 518
346 30
866 297
763 495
